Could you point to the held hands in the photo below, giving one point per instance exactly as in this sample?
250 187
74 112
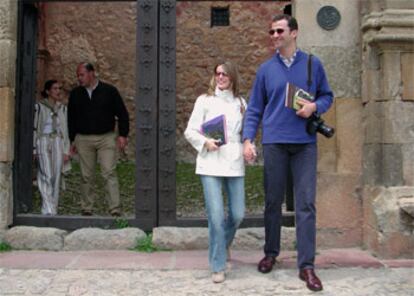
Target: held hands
211 145
73 150
249 151
121 142
308 108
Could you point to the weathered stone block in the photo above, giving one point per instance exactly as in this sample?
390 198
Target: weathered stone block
386 231
327 147
177 238
338 68
254 239
407 205
6 124
383 164
349 135
180 238
100 239
8 20
372 83
397 124
373 59
7 63
372 118
399 4
408 164
339 210
310 33
338 237
35 238
407 76
6 195
2 235
372 164
391 75
392 165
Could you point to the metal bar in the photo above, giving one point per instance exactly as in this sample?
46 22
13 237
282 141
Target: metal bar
24 108
166 112
76 222
146 125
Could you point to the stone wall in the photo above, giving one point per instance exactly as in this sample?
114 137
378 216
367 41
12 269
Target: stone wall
200 46
8 36
366 172
388 96
103 33
339 202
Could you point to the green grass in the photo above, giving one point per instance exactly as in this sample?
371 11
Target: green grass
189 192
145 245
4 247
120 223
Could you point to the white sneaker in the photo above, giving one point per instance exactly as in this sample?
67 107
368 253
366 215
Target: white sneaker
218 277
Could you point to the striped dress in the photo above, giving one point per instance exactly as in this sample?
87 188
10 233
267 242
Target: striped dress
51 142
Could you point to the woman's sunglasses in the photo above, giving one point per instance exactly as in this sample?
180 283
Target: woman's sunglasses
221 73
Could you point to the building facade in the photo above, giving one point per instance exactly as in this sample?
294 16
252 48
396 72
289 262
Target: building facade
366 171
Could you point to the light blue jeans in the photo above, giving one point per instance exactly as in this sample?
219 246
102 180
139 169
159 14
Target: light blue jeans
221 228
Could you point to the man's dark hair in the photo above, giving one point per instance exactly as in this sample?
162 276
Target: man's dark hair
292 22
88 66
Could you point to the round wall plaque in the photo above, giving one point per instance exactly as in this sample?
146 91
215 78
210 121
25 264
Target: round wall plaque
328 17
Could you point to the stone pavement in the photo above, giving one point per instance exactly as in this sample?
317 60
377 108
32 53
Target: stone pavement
343 271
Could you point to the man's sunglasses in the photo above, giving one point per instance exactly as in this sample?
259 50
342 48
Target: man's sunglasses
278 31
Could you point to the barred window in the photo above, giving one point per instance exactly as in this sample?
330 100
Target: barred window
220 16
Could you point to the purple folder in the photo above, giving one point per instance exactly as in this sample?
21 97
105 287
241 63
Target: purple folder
216 129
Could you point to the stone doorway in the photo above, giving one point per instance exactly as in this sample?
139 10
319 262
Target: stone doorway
154 105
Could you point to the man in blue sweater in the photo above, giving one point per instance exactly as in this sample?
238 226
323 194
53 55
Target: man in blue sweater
286 143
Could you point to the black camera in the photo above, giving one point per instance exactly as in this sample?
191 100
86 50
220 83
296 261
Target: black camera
317 124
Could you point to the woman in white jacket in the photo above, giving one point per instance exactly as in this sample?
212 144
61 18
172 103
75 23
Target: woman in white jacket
220 164
51 144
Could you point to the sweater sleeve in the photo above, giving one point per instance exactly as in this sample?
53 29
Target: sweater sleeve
121 113
192 132
255 108
324 94
66 141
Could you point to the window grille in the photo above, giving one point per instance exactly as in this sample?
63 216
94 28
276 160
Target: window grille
220 16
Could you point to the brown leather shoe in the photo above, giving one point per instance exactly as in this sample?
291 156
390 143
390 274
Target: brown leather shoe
312 281
266 264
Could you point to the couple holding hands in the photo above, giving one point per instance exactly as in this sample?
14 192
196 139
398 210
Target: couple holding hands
287 145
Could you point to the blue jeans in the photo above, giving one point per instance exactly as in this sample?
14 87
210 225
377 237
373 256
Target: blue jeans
222 229
301 159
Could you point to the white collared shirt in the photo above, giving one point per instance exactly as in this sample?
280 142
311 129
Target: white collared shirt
91 89
288 61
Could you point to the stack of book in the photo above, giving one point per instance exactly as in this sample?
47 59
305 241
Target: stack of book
293 94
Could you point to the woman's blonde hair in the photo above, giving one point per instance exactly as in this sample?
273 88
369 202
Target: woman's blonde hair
233 74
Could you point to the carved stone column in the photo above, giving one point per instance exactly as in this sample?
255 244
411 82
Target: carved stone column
8 36
388 97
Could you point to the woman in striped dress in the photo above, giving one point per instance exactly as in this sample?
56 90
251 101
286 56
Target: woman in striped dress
51 145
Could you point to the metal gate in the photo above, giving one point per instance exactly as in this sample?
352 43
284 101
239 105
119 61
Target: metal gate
155 190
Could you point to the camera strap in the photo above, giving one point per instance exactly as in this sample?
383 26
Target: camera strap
309 81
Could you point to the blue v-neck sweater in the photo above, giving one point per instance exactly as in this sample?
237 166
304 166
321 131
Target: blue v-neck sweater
267 100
